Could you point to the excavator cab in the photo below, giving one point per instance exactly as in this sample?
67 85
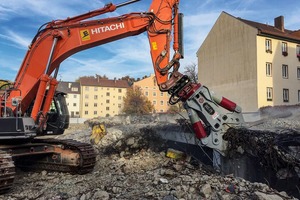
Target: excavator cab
58 116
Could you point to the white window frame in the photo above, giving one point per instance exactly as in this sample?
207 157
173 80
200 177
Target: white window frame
284 47
268 69
269 94
285 94
298 72
285 71
268 45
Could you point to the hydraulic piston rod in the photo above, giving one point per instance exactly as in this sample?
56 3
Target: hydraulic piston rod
126 3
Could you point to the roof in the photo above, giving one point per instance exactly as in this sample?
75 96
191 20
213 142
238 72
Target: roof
66 87
89 81
265 29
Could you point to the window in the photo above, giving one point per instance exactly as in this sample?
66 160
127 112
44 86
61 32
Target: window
107 108
284 48
268 46
86 112
86 96
95 88
119 105
86 104
269 94
95 96
75 96
161 94
154 94
285 73
86 88
119 90
154 102
285 95
74 89
74 104
298 51
107 100
107 94
298 72
95 104
146 94
269 69
95 112
161 103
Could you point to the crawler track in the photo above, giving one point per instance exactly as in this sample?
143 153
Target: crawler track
85 163
7 172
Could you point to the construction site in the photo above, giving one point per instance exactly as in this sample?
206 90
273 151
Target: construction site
210 147
149 157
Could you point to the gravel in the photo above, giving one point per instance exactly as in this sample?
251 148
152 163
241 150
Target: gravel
132 164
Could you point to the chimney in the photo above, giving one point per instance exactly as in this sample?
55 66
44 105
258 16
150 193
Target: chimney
279 23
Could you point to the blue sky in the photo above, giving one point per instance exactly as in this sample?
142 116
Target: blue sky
20 19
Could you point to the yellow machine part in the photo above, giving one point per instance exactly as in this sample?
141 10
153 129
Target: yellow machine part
175 154
98 132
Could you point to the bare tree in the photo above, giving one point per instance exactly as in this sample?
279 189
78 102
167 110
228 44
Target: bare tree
192 72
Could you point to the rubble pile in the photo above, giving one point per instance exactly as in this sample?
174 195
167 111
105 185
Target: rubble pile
132 164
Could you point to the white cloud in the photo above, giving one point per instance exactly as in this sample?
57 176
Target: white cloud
16 40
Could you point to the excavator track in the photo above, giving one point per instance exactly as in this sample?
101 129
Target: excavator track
84 164
7 172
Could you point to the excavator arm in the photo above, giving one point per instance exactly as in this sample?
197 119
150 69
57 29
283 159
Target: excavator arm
60 39
36 81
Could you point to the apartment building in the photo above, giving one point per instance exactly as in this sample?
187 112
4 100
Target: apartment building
72 89
151 91
251 63
102 97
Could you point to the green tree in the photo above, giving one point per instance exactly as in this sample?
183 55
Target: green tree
136 103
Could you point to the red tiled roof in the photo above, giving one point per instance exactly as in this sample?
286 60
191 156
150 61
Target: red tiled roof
104 82
272 30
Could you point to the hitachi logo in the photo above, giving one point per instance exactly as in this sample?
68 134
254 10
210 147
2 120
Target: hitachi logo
104 29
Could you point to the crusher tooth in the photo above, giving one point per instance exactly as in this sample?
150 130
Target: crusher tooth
45 154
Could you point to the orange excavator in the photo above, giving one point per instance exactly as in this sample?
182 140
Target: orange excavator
31 106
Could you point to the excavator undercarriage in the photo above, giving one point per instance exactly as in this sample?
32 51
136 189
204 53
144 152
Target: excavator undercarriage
22 143
44 154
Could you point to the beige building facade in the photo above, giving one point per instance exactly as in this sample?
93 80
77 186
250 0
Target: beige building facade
250 63
102 97
151 91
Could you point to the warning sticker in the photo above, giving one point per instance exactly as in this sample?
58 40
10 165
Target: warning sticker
85 35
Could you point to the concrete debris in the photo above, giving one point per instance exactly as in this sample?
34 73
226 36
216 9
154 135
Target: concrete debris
132 164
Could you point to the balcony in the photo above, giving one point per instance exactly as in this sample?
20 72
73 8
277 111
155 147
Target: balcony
284 53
